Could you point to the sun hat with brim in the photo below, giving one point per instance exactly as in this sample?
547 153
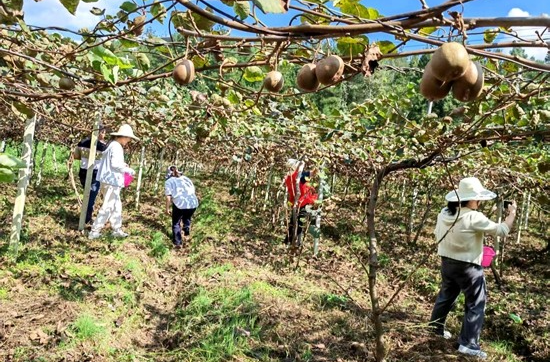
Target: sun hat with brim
470 188
125 131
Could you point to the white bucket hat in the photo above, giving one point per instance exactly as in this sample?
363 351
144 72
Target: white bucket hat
125 131
292 163
470 188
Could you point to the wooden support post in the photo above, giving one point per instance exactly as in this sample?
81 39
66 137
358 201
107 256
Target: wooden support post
526 218
317 238
89 174
54 159
3 146
159 170
24 176
520 218
140 173
41 163
412 214
498 239
268 187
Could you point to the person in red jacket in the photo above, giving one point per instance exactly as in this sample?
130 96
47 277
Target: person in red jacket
307 196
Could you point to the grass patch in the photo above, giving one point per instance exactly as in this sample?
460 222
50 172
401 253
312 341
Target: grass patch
218 324
159 249
505 349
86 327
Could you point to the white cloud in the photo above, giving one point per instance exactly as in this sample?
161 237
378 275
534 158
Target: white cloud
528 33
53 13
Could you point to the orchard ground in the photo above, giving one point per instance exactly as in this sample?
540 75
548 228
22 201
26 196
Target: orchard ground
235 293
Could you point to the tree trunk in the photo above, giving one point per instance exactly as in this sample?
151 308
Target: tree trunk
24 176
268 187
380 353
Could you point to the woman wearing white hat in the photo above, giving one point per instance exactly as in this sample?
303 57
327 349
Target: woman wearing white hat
460 231
111 175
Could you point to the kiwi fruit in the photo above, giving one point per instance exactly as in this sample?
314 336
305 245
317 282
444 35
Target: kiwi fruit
139 23
184 72
274 81
306 79
450 61
329 70
66 83
432 88
469 86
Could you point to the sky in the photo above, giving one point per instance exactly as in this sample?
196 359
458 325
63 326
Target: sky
52 13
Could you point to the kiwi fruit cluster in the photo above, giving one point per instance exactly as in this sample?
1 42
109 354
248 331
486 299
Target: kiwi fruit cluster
451 68
327 71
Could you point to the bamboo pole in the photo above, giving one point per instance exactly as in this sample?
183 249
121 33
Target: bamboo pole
268 187
498 239
140 174
3 146
89 174
23 182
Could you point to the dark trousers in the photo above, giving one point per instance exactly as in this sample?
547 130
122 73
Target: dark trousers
180 216
302 216
459 276
94 190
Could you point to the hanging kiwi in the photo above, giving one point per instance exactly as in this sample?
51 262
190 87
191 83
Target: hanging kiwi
66 83
274 81
432 88
139 23
307 80
450 61
184 72
329 70
469 86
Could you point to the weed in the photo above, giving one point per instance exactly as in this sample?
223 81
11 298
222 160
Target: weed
159 250
219 323
86 327
505 349
330 301
3 294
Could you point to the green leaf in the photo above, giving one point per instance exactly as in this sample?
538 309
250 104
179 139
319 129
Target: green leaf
128 6
143 60
427 31
271 6
89 1
105 54
517 319
242 9
21 108
158 11
9 161
6 175
97 11
354 8
349 46
108 73
386 46
489 35
70 5
199 62
253 74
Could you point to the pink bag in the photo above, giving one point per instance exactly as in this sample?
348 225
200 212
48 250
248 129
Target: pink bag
488 255
127 179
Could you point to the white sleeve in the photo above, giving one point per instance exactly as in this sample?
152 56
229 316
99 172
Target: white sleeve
117 159
480 222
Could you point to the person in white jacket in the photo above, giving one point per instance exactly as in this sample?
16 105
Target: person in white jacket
460 231
111 175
